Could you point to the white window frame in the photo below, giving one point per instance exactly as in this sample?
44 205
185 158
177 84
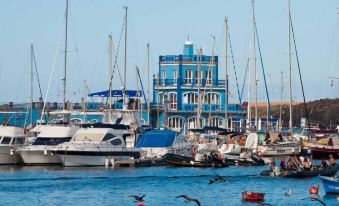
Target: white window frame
216 121
175 76
163 76
209 75
188 76
173 105
161 98
192 122
176 122
212 98
191 98
197 77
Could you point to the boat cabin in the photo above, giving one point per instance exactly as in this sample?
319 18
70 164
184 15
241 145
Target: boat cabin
98 135
54 135
10 135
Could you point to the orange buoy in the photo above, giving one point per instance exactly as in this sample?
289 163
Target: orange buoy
314 189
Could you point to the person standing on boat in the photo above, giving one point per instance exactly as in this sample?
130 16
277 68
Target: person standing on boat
330 143
331 160
282 165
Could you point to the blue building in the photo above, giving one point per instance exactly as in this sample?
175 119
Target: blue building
189 94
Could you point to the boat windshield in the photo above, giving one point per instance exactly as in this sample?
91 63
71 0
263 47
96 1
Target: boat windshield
19 140
6 140
51 140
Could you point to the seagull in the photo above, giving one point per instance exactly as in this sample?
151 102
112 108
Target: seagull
288 193
315 199
138 198
216 179
188 199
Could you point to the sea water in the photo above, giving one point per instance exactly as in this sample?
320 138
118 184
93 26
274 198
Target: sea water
56 185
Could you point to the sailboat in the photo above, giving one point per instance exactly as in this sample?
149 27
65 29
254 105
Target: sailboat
55 132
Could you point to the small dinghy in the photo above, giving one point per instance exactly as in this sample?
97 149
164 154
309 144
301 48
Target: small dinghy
184 161
253 196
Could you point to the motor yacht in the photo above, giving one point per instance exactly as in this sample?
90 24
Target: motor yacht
95 147
40 151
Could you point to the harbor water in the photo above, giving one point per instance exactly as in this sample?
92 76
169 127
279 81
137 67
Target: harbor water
56 185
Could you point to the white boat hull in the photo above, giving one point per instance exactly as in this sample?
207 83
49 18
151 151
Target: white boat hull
88 160
7 157
278 151
38 157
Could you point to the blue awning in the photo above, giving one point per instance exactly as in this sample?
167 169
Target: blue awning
116 93
156 138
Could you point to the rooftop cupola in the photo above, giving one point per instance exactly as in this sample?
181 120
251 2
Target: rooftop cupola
188 48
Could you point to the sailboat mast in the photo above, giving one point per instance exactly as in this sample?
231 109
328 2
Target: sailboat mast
198 82
290 65
226 78
255 68
125 60
211 79
280 106
31 98
148 87
249 112
110 69
65 65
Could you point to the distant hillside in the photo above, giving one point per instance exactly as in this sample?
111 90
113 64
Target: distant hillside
324 112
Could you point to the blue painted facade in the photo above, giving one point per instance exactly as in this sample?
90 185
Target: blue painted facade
178 87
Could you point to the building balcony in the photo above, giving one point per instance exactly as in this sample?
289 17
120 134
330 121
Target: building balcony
189 82
232 108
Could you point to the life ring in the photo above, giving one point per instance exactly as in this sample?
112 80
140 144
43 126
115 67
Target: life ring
259 154
192 150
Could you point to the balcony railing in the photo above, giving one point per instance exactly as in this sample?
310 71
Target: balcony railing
189 82
185 58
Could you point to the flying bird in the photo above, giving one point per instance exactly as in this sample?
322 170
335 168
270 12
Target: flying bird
138 198
188 199
315 199
216 179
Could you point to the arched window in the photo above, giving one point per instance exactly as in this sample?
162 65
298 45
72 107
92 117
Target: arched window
216 122
161 98
193 123
191 98
172 100
175 122
212 98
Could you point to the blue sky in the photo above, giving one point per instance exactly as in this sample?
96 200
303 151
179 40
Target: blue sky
165 25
